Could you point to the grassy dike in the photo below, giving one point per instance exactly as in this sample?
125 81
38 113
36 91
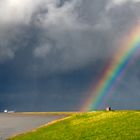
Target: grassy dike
100 125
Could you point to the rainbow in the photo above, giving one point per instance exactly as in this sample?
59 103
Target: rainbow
125 56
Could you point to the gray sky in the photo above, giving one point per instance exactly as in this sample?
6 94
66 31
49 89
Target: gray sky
51 51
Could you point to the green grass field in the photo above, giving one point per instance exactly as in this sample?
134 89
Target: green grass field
100 125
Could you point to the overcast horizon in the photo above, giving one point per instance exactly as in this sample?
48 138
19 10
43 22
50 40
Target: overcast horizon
53 51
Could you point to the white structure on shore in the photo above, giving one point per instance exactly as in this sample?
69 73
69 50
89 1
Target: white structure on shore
5 111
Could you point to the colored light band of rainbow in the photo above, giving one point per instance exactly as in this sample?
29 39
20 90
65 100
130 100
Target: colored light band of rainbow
125 56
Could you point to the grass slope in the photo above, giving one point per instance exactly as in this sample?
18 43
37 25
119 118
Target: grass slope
114 125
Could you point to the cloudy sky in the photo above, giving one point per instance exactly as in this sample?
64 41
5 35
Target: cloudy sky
53 51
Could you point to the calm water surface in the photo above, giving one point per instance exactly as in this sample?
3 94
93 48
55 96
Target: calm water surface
11 124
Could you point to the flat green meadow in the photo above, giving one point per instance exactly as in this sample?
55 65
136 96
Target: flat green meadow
99 125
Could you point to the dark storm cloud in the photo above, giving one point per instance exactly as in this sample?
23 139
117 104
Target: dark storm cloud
43 38
66 33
